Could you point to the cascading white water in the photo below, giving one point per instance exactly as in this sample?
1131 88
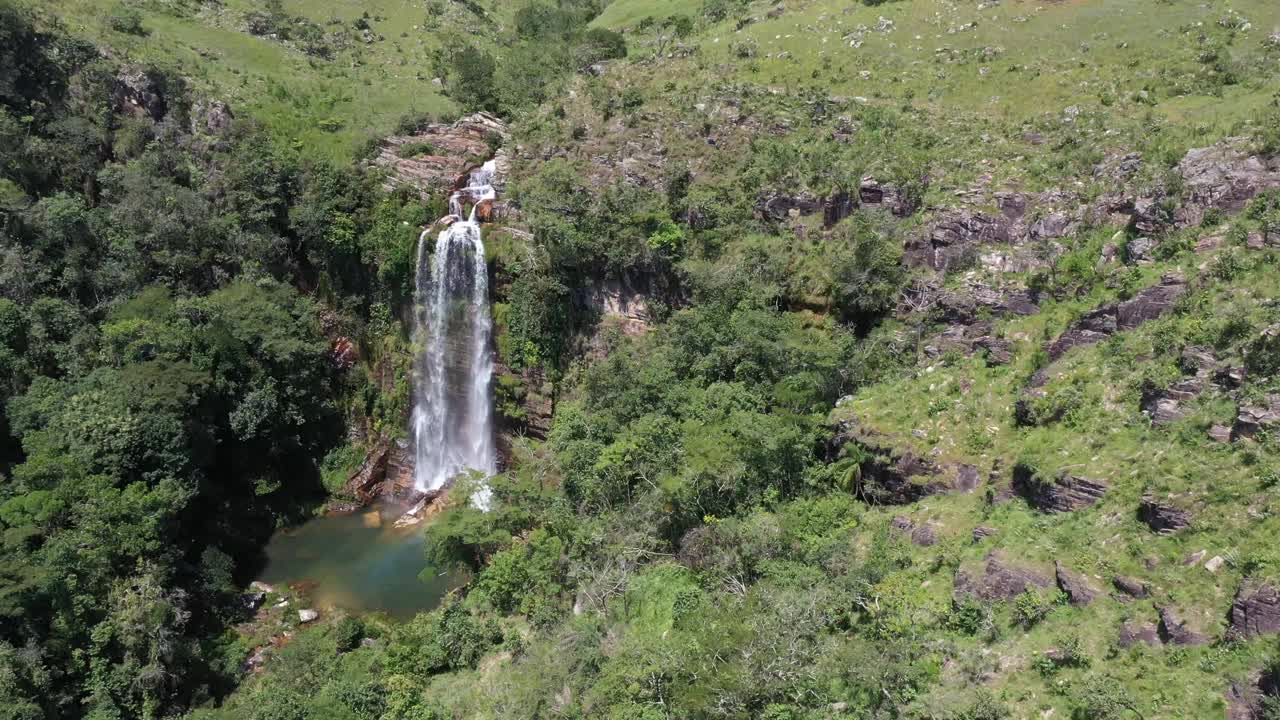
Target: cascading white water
453 400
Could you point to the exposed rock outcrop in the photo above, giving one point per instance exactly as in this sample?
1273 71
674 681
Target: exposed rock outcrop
923 535
1256 609
445 155
211 117
778 207
387 471
953 237
624 299
1175 631
1132 633
1077 589
364 483
1064 493
1224 177
901 479
999 580
1163 516
1164 406
1242 702
139 93
1107 320
1252 419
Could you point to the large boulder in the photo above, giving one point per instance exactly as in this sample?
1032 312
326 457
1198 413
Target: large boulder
1131 587
1256 609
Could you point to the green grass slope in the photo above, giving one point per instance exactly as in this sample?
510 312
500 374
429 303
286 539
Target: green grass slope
325 106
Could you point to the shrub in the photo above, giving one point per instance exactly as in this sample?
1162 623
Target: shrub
985 706
348 633
1102 697
415 150
968 616
126 20
1263 354
1030 608
599 44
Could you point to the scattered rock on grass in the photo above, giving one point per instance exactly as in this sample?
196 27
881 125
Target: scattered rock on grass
1074 585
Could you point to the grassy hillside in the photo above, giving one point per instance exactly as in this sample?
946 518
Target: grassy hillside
798 480
324 104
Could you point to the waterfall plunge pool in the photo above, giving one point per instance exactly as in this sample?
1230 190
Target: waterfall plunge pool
358 562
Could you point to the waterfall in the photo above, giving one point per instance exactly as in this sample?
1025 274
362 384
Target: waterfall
453 400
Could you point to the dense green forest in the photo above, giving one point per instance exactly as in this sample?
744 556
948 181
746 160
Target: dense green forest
856 359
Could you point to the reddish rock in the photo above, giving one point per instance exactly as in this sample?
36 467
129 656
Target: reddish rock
364 483
343 355
453 151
